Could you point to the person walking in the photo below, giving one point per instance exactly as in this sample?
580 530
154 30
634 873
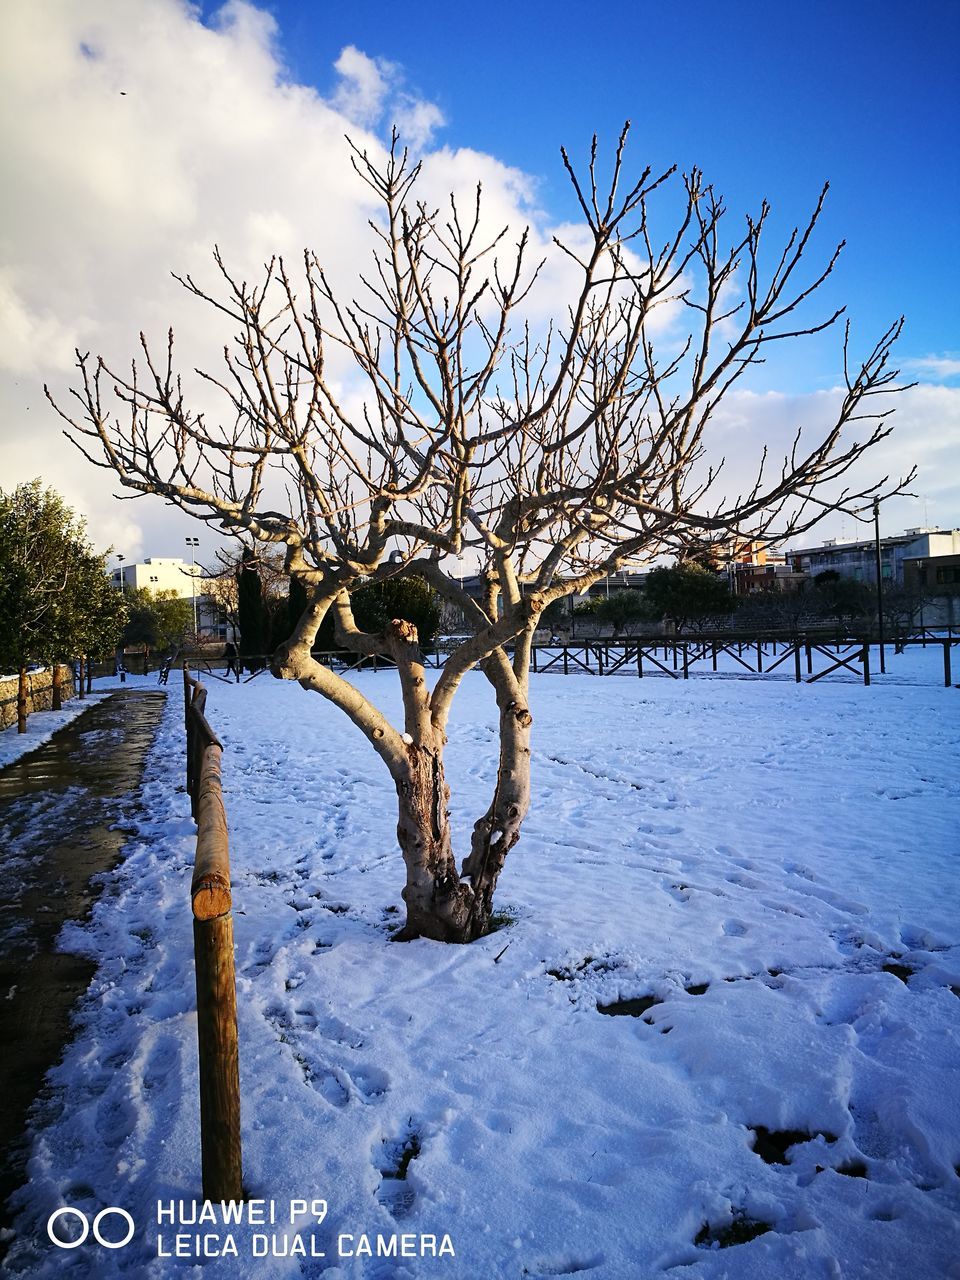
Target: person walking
230 653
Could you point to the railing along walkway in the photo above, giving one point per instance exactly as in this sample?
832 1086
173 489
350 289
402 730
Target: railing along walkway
213 952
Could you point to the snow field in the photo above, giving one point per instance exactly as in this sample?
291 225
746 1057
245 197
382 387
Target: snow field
773 868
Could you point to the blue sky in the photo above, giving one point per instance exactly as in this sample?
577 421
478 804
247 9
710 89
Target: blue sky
769 99
136 134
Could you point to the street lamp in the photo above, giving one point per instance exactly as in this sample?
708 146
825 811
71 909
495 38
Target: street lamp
120 560
193 543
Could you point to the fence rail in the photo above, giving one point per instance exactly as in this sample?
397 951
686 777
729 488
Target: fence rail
812 655
213 955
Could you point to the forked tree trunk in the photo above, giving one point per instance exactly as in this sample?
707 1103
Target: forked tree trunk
441 903
22 701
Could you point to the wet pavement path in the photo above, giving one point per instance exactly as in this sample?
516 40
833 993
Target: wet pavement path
59 810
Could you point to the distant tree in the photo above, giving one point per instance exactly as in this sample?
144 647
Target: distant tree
902 609
621 609
222 582
252 615
772 610
46 568
90 617
409 600
155 620
843 601
688 595
294 605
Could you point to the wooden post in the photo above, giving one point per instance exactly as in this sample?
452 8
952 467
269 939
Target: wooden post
686 662
809 659
796 662
639 661
714 655
566 670
216 991
219 1060
22 700
947 678
865 659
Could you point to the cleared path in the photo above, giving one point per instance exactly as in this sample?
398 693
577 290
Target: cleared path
59 807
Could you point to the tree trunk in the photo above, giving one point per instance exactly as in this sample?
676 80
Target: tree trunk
495 834
56 693
439 906
22 701
81 672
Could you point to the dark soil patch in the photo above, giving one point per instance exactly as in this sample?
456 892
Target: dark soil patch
772 1145
634 1008
399 1156
740 1231
901 971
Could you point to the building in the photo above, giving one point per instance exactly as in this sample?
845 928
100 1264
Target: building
181 578
157 573
857 560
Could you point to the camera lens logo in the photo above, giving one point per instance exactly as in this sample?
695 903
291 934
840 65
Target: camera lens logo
85 1227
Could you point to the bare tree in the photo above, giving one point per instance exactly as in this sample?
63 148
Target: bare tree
550 457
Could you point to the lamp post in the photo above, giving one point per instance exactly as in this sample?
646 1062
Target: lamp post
193 543
120 560
876 548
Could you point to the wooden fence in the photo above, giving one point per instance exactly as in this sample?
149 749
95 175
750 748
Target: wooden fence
808 657
213 953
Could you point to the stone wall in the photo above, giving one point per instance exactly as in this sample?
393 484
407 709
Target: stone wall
39 693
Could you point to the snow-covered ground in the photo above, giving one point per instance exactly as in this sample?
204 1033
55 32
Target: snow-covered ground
774 867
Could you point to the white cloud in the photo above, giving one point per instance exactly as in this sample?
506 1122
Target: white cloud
370 92
417 121
364 84
938 367
926 435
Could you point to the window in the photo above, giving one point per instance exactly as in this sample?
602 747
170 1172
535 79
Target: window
950 573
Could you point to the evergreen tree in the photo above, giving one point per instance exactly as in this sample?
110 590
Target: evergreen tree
621 608
688 594
252 616
375 605
50 600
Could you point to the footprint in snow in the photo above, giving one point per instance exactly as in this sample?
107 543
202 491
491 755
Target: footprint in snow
734 928
370 1083
744 881
396 1156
